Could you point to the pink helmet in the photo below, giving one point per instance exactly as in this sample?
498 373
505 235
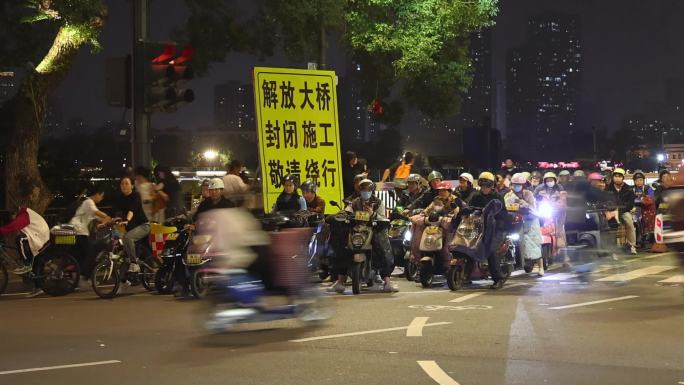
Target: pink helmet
595 176
518 178
443 185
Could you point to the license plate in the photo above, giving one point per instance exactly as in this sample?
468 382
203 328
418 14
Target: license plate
193 259
362 216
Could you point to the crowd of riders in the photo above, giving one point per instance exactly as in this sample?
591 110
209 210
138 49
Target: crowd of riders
147 197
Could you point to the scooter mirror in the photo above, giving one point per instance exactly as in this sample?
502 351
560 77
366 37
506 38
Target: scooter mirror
334 204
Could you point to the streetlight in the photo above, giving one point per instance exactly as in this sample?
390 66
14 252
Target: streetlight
210 154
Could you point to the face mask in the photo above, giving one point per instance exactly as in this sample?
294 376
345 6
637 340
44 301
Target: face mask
438 208
366 195
517 188
550 184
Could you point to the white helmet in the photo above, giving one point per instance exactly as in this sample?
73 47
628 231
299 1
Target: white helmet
216 184
467 176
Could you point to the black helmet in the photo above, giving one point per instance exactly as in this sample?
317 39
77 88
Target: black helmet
309 186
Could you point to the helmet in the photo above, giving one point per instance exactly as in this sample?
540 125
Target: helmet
564 173
308 186
435 175
359 178
290 178
444 185
206 183
413 178
468 177
536 174
367 182
550 175
400 183
527 175
518 178
215 184
638 174
619 171
578 174
595 176
487 176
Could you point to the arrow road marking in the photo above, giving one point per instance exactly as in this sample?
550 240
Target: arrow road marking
415 329
364 332
594 302
436 373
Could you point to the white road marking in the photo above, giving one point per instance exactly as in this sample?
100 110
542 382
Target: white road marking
13 294
515 285
415 328
436 373
594 302
674 279
468 296
450 308
364 332
61 367
558 277
634 274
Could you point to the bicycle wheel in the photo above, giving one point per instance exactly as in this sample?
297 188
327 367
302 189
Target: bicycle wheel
4 278
148 270
106 279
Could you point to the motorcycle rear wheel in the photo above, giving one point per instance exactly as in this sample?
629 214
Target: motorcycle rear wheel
106 279
148 274
427 273
356 277
455 277
60 275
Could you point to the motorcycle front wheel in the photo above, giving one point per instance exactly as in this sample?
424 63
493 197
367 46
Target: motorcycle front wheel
106 280
164 278
356 277
411 270
455 277
427 273
198 284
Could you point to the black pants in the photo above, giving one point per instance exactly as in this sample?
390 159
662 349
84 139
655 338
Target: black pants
24 249
84 255
494 259
180 273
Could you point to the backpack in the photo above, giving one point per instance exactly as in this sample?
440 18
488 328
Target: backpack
70 211
403 171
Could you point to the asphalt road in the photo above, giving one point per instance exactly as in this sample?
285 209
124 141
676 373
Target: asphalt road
614 329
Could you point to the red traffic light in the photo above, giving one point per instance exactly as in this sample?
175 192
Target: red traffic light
167 56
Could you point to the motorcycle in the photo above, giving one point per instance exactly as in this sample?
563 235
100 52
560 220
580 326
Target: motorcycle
431 243
399 226
359 243
175 247
53 269
468 243
199 253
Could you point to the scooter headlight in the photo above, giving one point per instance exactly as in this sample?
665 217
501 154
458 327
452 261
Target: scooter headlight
407 236
514 237
545 210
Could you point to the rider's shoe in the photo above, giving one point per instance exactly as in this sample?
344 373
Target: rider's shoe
633 250
390 288
22 269
134 268
497 285
336 288
35 293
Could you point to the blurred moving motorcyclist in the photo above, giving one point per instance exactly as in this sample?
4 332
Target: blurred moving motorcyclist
465 187
382 251
624 197
530 236
480 199
289 199
314 203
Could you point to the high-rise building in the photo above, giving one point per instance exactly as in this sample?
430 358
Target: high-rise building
477 103
543 80
357 124
234 107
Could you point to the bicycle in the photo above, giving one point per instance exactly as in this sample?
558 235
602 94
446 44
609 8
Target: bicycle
112 267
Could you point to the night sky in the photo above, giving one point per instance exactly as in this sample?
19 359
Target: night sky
630 49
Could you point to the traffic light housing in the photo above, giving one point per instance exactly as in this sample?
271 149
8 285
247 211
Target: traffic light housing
168 71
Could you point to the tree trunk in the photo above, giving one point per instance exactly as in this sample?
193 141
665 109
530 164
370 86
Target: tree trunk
26 115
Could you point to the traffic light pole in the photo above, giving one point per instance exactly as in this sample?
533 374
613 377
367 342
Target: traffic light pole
140 138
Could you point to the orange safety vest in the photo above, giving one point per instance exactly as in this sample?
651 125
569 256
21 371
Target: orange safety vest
402 171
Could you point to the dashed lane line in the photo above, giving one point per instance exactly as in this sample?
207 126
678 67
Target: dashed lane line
60 367
365 332
594 302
